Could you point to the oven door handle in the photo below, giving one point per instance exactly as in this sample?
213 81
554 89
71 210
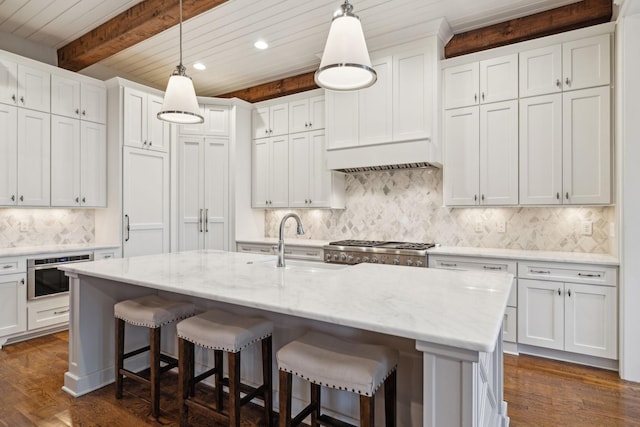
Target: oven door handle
126 218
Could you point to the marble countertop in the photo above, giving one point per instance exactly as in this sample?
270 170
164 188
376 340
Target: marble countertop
50 249
525 255
462 309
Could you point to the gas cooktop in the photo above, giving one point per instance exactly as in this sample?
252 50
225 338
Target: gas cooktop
377 252
383 244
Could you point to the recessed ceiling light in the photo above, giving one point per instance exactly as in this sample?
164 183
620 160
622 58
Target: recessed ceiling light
199 66
261 44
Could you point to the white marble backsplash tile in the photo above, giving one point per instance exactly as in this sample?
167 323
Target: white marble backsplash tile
407 206
39 227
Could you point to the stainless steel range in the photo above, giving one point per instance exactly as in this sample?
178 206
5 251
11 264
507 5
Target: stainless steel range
377 252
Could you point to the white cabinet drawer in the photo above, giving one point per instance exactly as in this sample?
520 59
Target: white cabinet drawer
290 251
575 273
257 249
49 312
13 265
106 253
461 263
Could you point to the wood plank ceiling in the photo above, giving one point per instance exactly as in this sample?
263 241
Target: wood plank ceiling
222 38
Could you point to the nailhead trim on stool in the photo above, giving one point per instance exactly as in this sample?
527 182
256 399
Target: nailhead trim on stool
151 312
222 331
327 361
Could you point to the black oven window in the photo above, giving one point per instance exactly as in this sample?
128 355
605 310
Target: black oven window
50 281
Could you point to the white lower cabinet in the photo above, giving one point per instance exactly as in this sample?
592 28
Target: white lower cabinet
568 307
145 202
309 253
510 323
13 300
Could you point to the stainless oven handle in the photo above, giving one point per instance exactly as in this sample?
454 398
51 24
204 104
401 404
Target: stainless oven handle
126 217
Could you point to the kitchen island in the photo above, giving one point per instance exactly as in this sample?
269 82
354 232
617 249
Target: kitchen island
447 324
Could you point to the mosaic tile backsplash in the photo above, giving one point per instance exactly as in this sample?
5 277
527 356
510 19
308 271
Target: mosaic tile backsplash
407 206
37 227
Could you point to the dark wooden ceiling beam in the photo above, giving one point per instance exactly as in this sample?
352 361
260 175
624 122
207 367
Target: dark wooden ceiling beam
554 21
275 89
136 24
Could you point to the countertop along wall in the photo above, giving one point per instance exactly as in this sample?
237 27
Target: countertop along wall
407 206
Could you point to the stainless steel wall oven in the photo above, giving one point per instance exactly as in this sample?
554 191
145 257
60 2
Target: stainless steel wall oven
43 277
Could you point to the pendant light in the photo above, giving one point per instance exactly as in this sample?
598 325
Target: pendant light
180 103
345 63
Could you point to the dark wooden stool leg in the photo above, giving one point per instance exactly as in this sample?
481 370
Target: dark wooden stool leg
315 401
154 343
185 377
367 414
119 360
234 389
390 400
286 380
267 380
219 376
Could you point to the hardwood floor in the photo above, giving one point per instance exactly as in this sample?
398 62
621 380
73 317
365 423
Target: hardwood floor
540 393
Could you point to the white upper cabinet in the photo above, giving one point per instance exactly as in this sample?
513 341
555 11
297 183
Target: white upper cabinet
8 155
270 180
568 66
271 120
413 94
8 82
586 145
216 122
34 88
541 150
34 158
491 80
481 155
306 114
375 107
568 136
342 119
78 99
541 71
587 62
142 128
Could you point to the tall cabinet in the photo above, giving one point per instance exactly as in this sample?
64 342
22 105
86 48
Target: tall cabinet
203 182
138 213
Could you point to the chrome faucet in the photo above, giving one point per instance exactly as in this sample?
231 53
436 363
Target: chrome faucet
299 230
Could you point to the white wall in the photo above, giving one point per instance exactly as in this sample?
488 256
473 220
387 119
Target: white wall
32 50
628 154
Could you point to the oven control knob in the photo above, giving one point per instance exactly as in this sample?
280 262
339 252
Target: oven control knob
328 257
335 257
374 260
419 263
396 261
365 259
409 262
358 260
350 258
343 257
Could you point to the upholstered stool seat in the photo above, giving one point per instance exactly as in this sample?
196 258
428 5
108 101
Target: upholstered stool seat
327 361
223 332
151 312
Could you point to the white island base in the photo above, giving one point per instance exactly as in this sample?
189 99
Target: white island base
439 385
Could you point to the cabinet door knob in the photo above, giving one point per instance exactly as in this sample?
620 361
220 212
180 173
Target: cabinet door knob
569 292
144 142
482 197
475 197
558 83
77 199
22 99
77 111
22 281
558 196
266 131
84 112
22 198
150 143
13 97
84 200
483 96
559 291
475 97
567 195
567 81
13 197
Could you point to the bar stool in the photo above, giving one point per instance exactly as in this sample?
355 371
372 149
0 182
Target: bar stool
324 360
221 331
151 312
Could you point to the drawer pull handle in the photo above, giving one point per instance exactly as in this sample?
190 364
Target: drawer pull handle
246 249
589 275
447 264
288 252
312 253
61 312
265 250
488 267
7 266
540 271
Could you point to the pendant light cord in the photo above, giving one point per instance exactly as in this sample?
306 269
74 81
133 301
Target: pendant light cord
181 34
